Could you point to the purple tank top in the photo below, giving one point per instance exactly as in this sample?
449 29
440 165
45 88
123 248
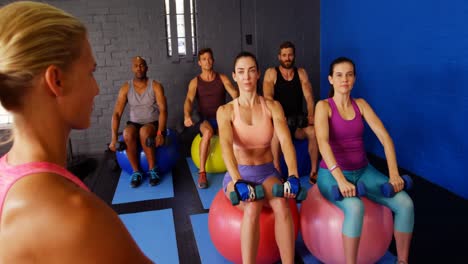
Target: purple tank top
210 96
9 175
346 139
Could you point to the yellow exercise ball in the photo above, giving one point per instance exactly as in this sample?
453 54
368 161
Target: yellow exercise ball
214 160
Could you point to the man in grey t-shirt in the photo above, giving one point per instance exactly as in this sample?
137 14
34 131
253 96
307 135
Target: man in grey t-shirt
148 116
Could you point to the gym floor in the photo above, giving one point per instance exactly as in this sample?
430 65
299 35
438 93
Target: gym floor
440 226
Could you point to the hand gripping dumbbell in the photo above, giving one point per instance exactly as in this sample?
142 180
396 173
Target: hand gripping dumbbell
292 185
244 190
360 191
387 188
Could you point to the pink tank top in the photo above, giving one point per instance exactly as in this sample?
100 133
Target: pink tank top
257 135
346 139
9 175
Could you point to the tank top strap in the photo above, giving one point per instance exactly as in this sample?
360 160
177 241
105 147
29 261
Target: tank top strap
332 105
356 107
37 167
235 102
264 106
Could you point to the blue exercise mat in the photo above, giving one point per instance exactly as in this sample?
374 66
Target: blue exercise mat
215 183
124 193
206 249
154 232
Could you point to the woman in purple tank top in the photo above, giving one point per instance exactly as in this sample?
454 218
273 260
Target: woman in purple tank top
46 82
340 125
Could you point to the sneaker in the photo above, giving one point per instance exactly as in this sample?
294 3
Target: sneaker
313 178
154 178
202 181
136 179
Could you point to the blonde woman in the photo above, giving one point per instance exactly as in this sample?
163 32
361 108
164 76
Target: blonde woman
46 82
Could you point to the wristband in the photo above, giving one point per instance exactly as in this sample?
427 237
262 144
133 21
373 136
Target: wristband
159 133
334 167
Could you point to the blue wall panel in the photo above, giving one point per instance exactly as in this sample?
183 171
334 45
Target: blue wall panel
412 67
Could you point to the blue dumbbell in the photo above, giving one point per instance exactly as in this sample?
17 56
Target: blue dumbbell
360 191
259 195
387 188
278 191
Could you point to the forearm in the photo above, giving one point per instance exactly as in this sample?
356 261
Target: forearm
187 109
162 120
231 163
310 105
115 126
390 155
330 160
289 156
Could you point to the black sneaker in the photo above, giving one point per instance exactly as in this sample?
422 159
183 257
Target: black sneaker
154 178
136 179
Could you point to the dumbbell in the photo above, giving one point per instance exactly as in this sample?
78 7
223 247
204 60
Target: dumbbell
149 142
278 190
387 188
258 190
360 191
121 146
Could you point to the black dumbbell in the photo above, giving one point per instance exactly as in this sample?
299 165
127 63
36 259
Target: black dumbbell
360 191
121 146
149 142
387 188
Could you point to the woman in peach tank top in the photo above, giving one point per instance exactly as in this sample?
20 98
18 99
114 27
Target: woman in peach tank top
246 127
46 82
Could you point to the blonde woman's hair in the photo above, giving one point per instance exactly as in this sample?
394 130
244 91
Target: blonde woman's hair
34 36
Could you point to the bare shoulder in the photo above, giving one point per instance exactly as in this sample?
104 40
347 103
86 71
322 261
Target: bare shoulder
362 104
227 108
322 105
302 73
56 218
124 88
273 105
223 76
270 72
157 84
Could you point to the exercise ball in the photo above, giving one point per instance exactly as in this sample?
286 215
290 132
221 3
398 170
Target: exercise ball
321 225
224 221
166 155
214 160
303 158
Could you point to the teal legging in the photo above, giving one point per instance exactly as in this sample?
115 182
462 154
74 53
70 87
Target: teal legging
353 208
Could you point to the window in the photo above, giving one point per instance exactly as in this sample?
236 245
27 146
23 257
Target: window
184 33
5 118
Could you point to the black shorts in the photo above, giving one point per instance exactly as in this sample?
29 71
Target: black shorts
138 125
295 122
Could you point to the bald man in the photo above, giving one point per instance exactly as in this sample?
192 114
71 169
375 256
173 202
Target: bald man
148 116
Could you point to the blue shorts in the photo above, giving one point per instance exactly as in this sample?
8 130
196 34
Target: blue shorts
212 121
255 174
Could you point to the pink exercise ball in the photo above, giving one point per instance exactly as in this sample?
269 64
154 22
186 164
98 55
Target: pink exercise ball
224 221
321 225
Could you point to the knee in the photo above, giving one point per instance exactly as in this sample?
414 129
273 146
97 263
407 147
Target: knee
129 135
251 214
354 208
280 208
145 132
207 134
405 204
310 132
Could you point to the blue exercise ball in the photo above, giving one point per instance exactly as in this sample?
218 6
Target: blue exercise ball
166 155
303 158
